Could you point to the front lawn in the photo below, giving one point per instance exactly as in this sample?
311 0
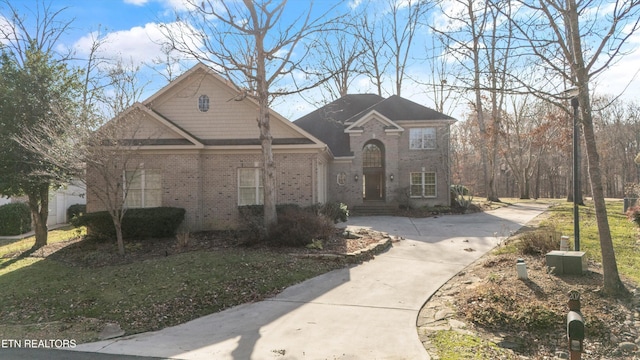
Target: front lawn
72 295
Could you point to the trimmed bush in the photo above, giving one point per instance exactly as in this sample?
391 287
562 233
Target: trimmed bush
145 223
75 211
15 219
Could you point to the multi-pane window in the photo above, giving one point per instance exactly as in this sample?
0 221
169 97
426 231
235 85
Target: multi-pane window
423 184
203 103
422 138
250 191
371 156
143 188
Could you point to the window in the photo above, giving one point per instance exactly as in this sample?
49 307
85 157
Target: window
144 189
341 178
203 103
423 184
371 156
422 138
250 190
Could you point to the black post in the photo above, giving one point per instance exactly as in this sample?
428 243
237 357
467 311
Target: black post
576 173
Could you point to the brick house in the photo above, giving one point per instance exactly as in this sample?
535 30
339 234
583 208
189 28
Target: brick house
383 151
197 147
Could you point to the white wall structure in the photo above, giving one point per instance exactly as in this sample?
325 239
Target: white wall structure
60 200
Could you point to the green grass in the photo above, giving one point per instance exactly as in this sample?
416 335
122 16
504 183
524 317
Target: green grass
453 345
144 295
623 233
58 235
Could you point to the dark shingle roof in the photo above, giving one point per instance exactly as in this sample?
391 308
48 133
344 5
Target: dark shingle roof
328 122
396 108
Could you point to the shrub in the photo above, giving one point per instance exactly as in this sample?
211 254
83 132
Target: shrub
298 227
538 242
145 223
336 211
633 214
15 219
75 211
460 196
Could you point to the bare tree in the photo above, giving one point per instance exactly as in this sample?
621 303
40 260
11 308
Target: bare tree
406 17
477 37
102 158
374 35
251 44
558 38
341 51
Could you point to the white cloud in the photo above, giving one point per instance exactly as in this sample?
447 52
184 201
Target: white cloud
5 28
354 4
140 44
136 2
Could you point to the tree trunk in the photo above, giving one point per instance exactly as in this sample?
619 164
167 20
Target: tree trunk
266 139
612 283
39 205
117 224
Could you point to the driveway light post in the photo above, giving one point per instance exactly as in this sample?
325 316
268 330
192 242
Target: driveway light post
573 94
576 172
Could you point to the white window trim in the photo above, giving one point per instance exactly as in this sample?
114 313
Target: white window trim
260 185
423 185
423 131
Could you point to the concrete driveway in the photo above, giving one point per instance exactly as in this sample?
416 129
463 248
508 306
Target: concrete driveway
367 311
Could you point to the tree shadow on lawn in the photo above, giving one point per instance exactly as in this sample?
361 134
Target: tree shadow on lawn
49 283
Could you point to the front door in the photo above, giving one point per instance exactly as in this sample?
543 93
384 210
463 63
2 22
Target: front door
373 171
373 186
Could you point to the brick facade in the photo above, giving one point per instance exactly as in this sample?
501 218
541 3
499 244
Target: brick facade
206 184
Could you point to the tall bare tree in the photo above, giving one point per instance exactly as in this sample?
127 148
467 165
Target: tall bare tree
559 37
405 21
477 36
252 45
100 157
340 55
374 35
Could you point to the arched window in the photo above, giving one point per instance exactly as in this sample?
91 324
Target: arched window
371 156
203 103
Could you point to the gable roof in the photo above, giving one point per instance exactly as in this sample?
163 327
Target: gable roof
164 112
328 122
396 108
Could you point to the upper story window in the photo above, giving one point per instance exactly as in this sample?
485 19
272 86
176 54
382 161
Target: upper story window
371 156
422 138
203 103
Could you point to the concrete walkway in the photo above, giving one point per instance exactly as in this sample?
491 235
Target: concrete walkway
367 311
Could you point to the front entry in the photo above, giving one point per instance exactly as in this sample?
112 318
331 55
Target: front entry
373 186
373 171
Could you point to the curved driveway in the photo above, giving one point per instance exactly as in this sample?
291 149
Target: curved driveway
367 311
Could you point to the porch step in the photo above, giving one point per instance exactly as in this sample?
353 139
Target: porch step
374 209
